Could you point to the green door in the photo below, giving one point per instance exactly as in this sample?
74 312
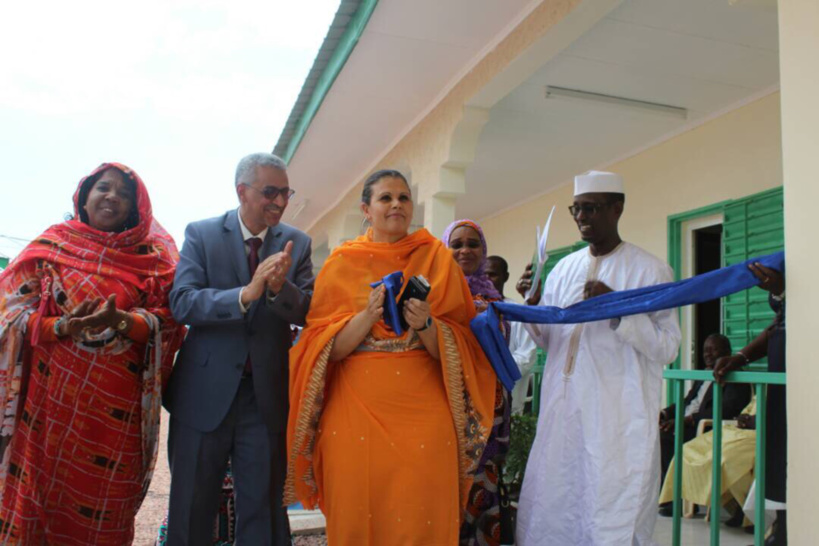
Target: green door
752 226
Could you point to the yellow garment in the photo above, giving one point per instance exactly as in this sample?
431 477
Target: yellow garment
738 457
386 441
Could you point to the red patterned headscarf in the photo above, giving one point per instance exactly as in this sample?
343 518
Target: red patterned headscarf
144 255
93 264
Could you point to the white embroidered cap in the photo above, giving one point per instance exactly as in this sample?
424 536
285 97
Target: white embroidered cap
598 182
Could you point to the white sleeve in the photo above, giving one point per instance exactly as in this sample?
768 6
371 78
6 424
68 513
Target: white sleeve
523 348
656 335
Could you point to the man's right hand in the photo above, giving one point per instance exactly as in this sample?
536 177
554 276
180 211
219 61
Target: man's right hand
256 287
727 364
525 283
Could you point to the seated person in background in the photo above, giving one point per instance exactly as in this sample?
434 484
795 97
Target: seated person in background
699 403
521 345
738 457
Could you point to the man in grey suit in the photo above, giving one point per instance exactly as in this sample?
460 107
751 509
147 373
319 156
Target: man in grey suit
243 279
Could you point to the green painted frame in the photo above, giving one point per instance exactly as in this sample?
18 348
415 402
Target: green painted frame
338 59
675 235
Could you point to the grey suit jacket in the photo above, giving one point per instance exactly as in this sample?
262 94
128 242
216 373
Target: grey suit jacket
212 270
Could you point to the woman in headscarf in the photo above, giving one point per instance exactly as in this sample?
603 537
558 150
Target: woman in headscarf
483 523
86 339
386 430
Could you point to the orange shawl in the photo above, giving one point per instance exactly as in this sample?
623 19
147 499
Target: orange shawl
342 290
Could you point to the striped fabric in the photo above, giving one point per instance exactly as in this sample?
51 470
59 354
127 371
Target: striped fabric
81 417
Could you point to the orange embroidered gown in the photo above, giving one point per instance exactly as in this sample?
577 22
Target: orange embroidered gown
386 441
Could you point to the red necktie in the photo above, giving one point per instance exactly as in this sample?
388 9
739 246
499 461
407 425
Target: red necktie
255 244
253 256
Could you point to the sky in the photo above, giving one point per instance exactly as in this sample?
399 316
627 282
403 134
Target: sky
178 90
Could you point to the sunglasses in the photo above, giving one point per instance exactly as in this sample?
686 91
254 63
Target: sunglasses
272 192
589 209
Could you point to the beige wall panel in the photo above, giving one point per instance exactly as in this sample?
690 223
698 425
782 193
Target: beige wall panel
736 154
799 46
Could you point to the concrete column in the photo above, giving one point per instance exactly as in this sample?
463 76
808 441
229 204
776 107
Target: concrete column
440 199
439 212
440 194
798 48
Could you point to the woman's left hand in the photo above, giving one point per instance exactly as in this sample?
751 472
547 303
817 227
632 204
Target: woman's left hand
106 316
416 313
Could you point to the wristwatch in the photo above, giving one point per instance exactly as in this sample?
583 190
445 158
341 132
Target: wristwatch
427 324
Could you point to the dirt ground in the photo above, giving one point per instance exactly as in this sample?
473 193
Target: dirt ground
156 502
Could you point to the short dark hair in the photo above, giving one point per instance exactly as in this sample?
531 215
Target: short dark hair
501 262
367 191
616 198
133 216
723 340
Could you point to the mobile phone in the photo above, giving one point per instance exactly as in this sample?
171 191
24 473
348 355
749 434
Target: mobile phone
418 288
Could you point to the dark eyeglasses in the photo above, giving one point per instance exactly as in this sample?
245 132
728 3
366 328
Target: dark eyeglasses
589 209
272 192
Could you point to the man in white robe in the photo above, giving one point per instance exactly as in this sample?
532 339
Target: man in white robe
593 474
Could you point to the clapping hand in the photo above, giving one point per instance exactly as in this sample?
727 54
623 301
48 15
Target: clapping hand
270 274
276 268
83 309
90 316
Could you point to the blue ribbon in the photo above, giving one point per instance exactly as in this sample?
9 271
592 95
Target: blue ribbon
708 286
393 283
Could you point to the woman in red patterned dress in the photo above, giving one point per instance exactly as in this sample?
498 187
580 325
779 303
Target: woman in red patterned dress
86 338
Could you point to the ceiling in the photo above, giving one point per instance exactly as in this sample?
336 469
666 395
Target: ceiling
408 54
703 55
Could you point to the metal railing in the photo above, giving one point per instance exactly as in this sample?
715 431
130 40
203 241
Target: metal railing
760 380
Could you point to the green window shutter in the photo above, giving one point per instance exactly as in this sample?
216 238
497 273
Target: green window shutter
4 262
558 254
753 226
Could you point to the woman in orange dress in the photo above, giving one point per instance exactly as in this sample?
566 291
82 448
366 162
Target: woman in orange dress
86 338
386 431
